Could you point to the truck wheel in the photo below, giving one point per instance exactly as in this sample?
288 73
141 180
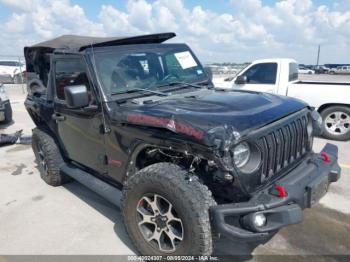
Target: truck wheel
166 211
336 123
48 157
8 113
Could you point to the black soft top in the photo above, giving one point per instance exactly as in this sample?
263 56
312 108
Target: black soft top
37 56
77 43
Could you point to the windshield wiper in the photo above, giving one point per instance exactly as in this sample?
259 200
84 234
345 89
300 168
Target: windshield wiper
140 89
180 83
187 84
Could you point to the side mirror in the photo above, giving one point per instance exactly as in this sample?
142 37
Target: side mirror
241 80
76 96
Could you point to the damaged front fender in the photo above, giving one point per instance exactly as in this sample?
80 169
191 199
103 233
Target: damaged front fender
220 139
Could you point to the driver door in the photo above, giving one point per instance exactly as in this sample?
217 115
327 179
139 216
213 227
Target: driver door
79 129
261 77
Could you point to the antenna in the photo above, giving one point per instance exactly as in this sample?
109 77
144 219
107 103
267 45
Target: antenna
106 130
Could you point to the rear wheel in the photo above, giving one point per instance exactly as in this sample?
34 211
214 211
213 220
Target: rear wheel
166 212
48 157
336 122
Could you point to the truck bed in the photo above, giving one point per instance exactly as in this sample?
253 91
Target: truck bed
318 94
322 83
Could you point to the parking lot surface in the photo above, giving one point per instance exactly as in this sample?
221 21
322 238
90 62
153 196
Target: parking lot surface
38 219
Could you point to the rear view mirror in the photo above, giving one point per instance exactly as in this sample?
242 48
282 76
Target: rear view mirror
76 96
241 80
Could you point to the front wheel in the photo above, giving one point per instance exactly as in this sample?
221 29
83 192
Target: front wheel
336 123
166 212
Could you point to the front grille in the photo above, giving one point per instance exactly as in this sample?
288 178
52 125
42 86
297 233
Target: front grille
283 147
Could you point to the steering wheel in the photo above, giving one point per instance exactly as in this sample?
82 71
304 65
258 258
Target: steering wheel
171 75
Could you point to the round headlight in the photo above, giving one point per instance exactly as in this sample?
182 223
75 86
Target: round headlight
241 154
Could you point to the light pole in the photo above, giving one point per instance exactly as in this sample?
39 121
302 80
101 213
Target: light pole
318 55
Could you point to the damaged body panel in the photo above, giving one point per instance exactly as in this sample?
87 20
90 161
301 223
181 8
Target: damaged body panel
117 108
209 119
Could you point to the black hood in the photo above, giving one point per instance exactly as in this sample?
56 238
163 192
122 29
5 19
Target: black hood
206 113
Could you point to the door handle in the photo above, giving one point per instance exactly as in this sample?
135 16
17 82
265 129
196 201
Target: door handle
58 117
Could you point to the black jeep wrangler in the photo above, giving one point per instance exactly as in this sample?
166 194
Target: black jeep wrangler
139 122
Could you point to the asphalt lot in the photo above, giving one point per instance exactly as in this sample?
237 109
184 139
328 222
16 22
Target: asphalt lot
41 220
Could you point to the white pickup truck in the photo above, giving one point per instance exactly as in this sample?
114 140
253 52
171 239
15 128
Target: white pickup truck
280 76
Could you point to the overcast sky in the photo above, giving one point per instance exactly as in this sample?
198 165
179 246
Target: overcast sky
218 31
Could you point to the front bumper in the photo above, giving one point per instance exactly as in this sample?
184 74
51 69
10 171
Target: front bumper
304 185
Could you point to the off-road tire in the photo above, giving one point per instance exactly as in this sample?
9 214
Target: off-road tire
190 198
326 112
41 139
8 114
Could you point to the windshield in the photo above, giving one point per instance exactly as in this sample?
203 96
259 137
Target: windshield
121 69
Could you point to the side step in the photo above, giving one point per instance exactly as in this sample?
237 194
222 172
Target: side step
105 190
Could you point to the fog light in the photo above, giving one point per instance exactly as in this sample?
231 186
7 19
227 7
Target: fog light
259 220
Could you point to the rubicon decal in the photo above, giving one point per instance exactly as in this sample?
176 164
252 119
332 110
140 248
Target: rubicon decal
168 123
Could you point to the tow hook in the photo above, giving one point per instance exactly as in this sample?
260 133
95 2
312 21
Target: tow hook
279 191
325 157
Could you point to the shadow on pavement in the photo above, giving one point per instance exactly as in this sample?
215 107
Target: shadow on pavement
105 208
228 250
224 248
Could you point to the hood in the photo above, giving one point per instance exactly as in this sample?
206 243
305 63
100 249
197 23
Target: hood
210 114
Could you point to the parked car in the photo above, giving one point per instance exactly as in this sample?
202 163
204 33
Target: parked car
138 119
340 70
321 70
304 70
6 79
5 106
280 76
12 70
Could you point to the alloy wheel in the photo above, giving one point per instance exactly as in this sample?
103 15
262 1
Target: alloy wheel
159 222
337 123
